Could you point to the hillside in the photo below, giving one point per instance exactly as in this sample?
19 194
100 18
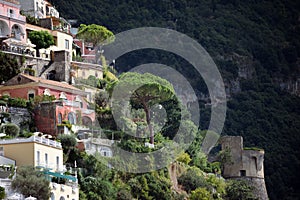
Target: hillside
255 44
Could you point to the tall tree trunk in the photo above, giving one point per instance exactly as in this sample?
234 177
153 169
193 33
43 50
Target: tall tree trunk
37 52
148 119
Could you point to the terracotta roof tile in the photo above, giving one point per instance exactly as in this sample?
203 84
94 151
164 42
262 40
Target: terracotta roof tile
50 82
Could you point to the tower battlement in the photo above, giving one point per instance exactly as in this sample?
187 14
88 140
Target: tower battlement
246 163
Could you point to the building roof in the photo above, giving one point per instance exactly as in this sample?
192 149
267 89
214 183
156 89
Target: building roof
24 81
49 82
32 139
13 1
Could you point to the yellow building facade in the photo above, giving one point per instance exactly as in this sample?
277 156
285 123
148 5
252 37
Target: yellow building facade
45 154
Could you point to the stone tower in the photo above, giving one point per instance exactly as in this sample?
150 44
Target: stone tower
246 164
59 67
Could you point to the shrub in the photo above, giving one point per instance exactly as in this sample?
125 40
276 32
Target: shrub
10 129
192 180
239 189
2 192
184 158
200 193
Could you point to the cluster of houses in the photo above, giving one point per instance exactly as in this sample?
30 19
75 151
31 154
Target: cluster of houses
55 74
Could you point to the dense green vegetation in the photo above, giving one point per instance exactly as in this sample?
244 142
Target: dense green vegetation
191 169
261 35
31 182
41 39
9 67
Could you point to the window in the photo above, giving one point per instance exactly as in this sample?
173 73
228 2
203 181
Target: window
57 163
38 159
66 44
71 118
46 159
59 118
243 172
1 151
31 94
16 32
10 13
52 196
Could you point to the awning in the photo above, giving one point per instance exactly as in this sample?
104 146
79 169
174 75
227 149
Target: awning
30 198
12 41
59 175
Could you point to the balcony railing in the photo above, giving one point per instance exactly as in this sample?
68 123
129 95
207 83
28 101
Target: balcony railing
18 50
33 139
46 141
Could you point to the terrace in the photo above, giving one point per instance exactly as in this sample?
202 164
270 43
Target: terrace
36 139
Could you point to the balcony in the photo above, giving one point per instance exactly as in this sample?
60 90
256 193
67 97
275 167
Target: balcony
37 139
46 141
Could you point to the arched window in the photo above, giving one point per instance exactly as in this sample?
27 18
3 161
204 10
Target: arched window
52 196
86 121
51 75
4 30
17 32
72 118
59 118
31 94
62 198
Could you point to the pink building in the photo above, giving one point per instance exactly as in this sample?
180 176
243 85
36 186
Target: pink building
12 24
69 105
87 51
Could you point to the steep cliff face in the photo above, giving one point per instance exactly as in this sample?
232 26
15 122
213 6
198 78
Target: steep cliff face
246 70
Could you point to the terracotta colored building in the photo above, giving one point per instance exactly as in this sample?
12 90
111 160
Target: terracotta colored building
69 103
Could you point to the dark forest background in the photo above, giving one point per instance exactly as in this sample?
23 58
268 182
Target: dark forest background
255 44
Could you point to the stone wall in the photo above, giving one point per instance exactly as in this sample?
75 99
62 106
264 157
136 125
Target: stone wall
246 164
59 68
20 116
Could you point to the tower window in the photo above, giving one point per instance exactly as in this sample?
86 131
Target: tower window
243 172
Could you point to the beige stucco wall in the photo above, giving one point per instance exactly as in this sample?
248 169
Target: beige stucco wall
66 191
84 73
26 154
22 153
52 153
59 36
